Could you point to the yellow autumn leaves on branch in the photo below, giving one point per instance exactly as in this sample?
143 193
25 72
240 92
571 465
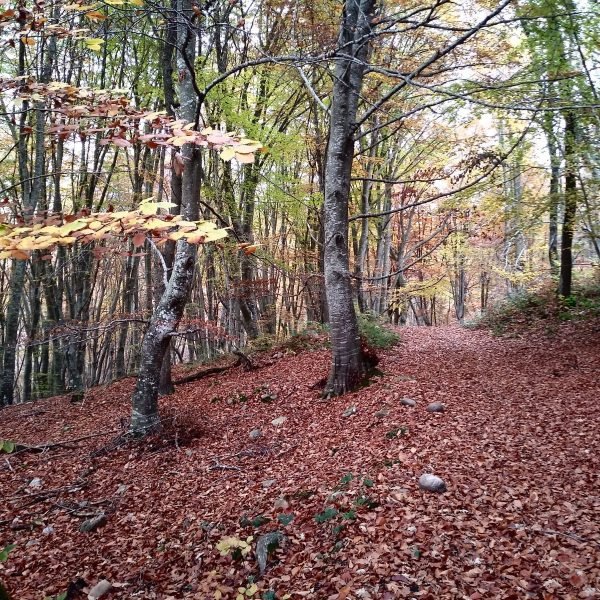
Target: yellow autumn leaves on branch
20 240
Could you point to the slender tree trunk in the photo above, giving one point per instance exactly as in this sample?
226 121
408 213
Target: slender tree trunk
554 197
348 365
144 411
568 227
19 267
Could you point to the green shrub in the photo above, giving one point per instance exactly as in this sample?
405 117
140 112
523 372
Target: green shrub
375 332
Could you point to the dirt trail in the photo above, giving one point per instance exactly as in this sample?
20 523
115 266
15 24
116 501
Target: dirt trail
518 446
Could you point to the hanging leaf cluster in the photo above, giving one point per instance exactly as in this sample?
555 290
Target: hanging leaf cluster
45 234
81 112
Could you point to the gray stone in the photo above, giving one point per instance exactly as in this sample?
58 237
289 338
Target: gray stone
100 589
436 407
265 544
408 402
267 483
279 421
432 483
255 434
351 410
48 530
93 523
36 482
382 413
281 503
335 496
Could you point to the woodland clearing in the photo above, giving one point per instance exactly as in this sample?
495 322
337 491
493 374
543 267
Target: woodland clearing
518 446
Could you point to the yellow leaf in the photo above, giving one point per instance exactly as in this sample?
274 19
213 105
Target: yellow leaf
28 41
227 153
213 236
136 2
53 230
156 224
94 44
246 149
65 241
27 244
68 228
218 595
150 208
179 140
114 2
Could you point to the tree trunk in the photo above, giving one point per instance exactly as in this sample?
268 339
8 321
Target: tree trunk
166 316
568 228
348 366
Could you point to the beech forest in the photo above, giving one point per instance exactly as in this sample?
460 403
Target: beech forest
299 299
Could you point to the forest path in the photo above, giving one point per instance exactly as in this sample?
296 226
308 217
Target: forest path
518 446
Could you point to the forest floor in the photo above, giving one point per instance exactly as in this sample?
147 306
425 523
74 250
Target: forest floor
518 447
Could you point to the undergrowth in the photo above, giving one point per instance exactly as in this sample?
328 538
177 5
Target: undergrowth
531 307
375 332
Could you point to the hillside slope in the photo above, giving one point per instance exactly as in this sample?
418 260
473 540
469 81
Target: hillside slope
518 447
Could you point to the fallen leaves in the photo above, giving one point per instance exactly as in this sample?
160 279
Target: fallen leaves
518 448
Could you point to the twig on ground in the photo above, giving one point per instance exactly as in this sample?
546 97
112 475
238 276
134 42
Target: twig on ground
21 448
223 467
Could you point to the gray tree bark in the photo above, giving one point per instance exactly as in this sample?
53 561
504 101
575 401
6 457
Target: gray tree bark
348 366
145 416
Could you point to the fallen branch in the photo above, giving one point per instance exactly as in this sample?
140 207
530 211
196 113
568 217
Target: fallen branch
21 448
205 373
223 467
242 360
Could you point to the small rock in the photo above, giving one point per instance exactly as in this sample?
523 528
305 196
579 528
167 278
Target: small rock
265 544
36 482
351 410
436 407
267 483
93 523
99 589
408 402
432 483
122 489
48 530
335 496
268 398
281 504
255 434
279 421
33 542
382 413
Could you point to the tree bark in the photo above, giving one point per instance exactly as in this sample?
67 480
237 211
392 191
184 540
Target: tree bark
570 213
166 316
348 366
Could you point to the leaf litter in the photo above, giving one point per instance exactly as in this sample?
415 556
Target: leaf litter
518 447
